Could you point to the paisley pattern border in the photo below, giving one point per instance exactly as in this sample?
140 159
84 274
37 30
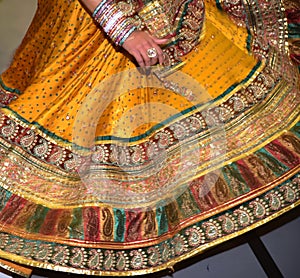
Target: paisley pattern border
130 261
220 113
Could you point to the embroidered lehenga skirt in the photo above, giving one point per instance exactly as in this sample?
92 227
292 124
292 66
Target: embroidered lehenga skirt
107 169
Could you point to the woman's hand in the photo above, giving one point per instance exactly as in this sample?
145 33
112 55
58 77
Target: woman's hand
140 44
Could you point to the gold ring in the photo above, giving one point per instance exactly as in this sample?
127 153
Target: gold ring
151 52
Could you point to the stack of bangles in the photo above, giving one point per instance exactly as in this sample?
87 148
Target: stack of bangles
115 24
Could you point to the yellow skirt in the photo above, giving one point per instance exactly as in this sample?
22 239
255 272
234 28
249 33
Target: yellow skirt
110 170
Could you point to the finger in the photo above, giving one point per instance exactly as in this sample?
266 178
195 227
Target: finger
160 55
139 58
154 61
154 38
155 44
159 41
147 59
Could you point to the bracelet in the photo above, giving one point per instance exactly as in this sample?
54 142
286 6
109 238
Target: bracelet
113 21
129 32
100 5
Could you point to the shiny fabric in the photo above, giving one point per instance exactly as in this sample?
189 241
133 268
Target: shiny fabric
110 170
